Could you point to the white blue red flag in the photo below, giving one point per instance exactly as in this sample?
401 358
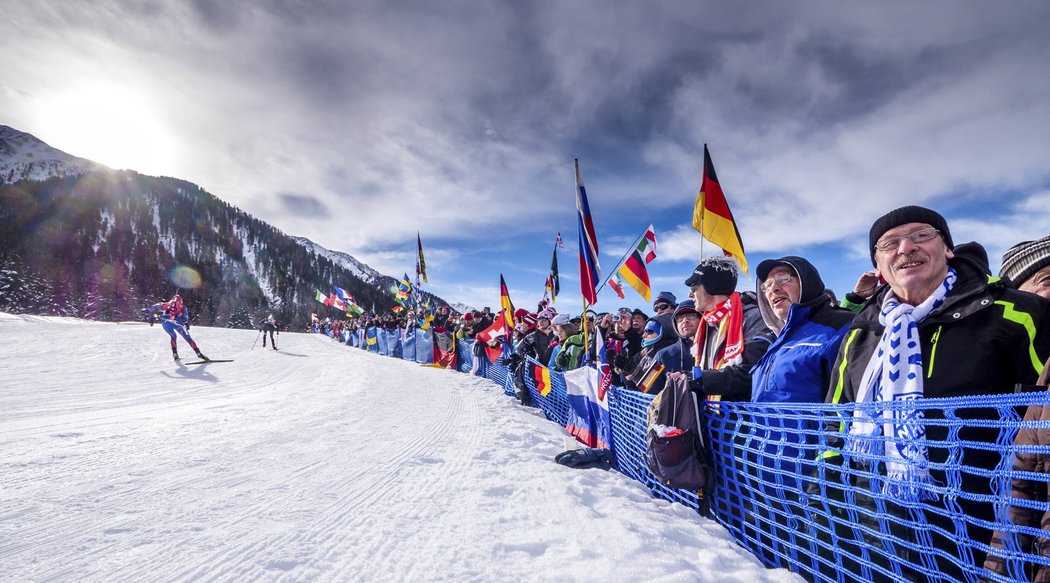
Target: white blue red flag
589 268
588 392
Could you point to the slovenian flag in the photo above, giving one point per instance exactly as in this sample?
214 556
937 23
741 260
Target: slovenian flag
589 268
712 217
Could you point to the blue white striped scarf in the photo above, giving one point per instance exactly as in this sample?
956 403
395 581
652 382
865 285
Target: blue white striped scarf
894 374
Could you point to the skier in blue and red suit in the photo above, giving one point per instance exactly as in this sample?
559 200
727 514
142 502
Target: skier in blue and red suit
174 317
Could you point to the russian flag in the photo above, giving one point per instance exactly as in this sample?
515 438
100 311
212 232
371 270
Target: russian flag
589 267
588 392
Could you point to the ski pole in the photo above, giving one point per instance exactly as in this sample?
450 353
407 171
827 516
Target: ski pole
256 339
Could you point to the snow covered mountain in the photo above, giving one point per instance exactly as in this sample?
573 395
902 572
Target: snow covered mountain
79 239
364 272
24 157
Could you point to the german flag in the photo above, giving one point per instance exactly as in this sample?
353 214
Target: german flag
541 376
651 376
508 308
633 270
712 217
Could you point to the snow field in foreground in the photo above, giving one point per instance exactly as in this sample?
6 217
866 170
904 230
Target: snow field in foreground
316 462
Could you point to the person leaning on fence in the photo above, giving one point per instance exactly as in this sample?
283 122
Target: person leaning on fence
644 372
974 337
807 329
1030 446
677 357
731 337
570 351
1026 266
536 345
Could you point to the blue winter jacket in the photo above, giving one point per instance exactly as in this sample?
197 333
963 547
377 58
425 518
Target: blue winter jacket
797 366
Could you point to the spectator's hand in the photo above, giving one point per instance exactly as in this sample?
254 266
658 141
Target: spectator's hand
187 326
675 375
867 284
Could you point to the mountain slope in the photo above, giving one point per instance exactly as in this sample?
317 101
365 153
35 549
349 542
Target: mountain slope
24 157
96 243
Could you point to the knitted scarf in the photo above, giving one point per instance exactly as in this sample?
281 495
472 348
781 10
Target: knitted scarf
729 318
894 375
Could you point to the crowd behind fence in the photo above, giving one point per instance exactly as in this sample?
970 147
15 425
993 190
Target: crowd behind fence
786 491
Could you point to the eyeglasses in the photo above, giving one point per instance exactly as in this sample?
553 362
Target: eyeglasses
780 280
893 243
662 307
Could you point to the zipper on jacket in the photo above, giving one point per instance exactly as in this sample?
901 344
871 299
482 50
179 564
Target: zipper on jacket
933 351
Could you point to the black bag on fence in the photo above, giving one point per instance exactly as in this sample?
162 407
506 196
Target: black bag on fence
674 443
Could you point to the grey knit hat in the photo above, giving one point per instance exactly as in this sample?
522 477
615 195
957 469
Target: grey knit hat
1024 259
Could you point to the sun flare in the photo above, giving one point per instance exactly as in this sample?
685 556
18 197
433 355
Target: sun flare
110 125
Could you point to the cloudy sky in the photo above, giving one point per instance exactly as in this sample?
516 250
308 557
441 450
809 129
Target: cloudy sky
357 124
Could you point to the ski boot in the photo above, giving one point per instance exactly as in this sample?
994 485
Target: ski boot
175 354
201 356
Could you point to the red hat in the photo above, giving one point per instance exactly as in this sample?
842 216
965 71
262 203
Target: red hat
520 313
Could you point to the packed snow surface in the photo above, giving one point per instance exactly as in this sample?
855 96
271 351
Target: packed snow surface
315 462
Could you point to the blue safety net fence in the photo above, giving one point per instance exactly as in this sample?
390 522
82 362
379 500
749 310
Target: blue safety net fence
788 489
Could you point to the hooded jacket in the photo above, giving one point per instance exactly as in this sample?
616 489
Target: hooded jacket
797 366
641 363
733 383
677 357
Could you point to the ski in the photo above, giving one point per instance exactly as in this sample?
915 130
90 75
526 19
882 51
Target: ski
205 361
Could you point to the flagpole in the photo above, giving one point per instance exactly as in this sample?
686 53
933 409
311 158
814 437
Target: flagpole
586 342
623 260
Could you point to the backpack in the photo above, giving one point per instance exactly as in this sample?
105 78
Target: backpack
675 451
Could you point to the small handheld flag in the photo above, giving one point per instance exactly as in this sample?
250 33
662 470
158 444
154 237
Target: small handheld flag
508 307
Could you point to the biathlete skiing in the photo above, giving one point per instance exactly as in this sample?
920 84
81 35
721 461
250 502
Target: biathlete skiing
174 317
269 325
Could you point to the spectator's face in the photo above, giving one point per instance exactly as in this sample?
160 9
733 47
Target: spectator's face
703 300
781 289
913 270
637 322
543 324
623 324
1038 284
687 323
662 307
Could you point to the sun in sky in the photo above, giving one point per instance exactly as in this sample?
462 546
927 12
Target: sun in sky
115 126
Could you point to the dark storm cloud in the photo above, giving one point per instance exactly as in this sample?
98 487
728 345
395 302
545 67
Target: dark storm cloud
303 205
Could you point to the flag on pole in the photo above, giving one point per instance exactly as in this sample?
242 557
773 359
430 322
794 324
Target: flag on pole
559 241
342 293
617 284
320 297
589 268
486 336
633 270
508 307
712 217
422 263
553 283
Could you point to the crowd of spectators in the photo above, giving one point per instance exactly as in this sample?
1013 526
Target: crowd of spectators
929 320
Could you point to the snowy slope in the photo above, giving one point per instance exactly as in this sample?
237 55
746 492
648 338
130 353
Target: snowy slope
316 462
24 157
364 272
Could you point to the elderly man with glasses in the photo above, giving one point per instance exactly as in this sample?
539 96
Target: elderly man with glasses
937 327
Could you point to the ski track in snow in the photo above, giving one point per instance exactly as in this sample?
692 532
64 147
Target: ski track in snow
316 462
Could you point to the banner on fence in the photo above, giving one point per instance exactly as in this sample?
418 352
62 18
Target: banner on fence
588 418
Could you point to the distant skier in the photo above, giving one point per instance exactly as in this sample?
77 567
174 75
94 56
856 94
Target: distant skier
269 324
174 317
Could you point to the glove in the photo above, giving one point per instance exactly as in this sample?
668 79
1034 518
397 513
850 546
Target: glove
620 361
187 326
511 360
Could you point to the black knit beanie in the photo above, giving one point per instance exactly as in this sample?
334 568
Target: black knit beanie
903 216
717 275
1024 259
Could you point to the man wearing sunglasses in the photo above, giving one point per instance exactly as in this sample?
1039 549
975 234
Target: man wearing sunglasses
938 327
